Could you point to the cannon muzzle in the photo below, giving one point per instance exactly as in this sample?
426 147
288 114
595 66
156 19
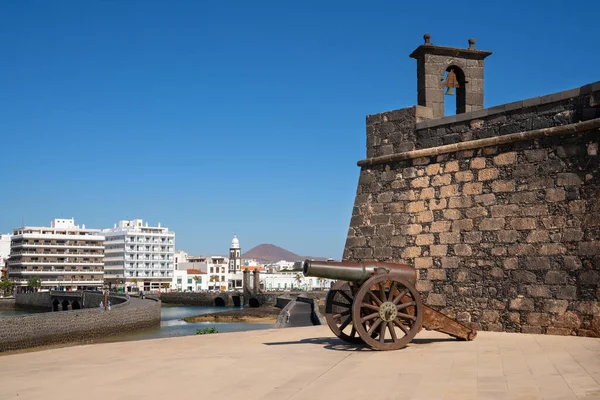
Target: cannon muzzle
354 272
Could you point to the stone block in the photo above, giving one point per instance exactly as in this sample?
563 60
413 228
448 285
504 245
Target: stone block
509 236
381 253
533 330
554 195
490 316
424 240
568 179
382 219
398 241
498 251
572 235
514 317
441 180
521 304
423 262
555 306
463 317
588 278
535 211
537 237
478 163
463 176
523 223
476 212
538 319
463 276
471 237
435 299
449 237
472 188
436 274
424 286
415 206
450 262
538 291
496 273
462 225
521 250
449 191
440 226
536 155
488 174
437 204
523 276
411 252
452 214
503 186
588 307
385 197
491 224
571 263
567 292
438 250
487 199
554 222
420 182
579 207
363 253
451 166
523 198
589 248
432 169
396 207
460 202
513 263
463 250
427 193
506 158
425 216
553 249
556 277
504 210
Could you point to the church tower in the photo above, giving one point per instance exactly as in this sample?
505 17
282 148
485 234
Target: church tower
235 256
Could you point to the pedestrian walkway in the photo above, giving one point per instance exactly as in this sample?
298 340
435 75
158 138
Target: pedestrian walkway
308 363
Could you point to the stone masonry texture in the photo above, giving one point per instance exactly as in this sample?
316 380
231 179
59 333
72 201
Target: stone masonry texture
503 238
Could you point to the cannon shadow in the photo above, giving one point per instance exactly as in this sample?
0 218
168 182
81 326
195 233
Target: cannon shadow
333 343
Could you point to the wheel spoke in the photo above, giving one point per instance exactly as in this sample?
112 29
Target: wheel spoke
374 326
400 296
346 322
337 303
369 306
379 302
343 293
382 292
392 288
407 316
369 317
382 333
340 315
353 331
390 326
404 305
399 325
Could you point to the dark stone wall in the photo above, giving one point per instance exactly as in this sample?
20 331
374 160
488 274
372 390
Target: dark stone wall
25 331
38 301
503 238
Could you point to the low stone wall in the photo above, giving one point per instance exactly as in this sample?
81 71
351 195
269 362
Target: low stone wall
198 299
315 316
25 331
38 301
7 303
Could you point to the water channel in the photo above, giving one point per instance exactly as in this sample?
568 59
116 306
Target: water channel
171 323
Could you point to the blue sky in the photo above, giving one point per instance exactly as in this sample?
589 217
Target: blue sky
237 116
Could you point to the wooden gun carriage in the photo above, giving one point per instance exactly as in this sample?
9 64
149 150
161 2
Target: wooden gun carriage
377 303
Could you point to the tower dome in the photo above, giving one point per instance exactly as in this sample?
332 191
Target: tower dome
235 243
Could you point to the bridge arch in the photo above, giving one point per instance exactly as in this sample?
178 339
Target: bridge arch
75 305
253 302
219 302
55 305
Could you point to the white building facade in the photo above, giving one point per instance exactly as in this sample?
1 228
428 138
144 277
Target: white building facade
292 281
190 280
4 248
138 256
63 256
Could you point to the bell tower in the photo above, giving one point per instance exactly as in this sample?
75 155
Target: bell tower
448 71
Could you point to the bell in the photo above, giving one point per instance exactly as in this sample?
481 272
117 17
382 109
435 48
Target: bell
450 91
451 83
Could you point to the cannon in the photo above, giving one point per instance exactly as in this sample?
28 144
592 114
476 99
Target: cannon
377 303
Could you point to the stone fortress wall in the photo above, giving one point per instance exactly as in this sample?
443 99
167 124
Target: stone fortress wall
498 209
25 331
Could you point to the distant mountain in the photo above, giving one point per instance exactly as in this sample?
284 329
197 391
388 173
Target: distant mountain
268 253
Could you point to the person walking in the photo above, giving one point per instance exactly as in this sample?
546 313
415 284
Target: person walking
101 306
109 305
287 313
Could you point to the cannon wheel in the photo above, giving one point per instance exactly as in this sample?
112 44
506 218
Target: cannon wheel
388 305
338 311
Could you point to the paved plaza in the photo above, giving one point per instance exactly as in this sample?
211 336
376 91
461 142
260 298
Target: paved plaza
308 363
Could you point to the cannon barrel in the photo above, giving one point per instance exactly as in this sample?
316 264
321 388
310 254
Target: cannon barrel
354 272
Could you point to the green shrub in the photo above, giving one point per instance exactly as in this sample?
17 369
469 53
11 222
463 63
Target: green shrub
206 331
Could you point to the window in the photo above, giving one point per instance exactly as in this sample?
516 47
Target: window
189 281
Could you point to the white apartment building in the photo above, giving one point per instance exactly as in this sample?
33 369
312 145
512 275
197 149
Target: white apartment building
4 248
138 256
190 280
63 256
292 281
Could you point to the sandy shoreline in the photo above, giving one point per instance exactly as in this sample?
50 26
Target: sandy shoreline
261 315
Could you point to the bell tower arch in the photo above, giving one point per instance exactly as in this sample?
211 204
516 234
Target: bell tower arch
449 71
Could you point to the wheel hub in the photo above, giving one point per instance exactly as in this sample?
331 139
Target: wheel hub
387 311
